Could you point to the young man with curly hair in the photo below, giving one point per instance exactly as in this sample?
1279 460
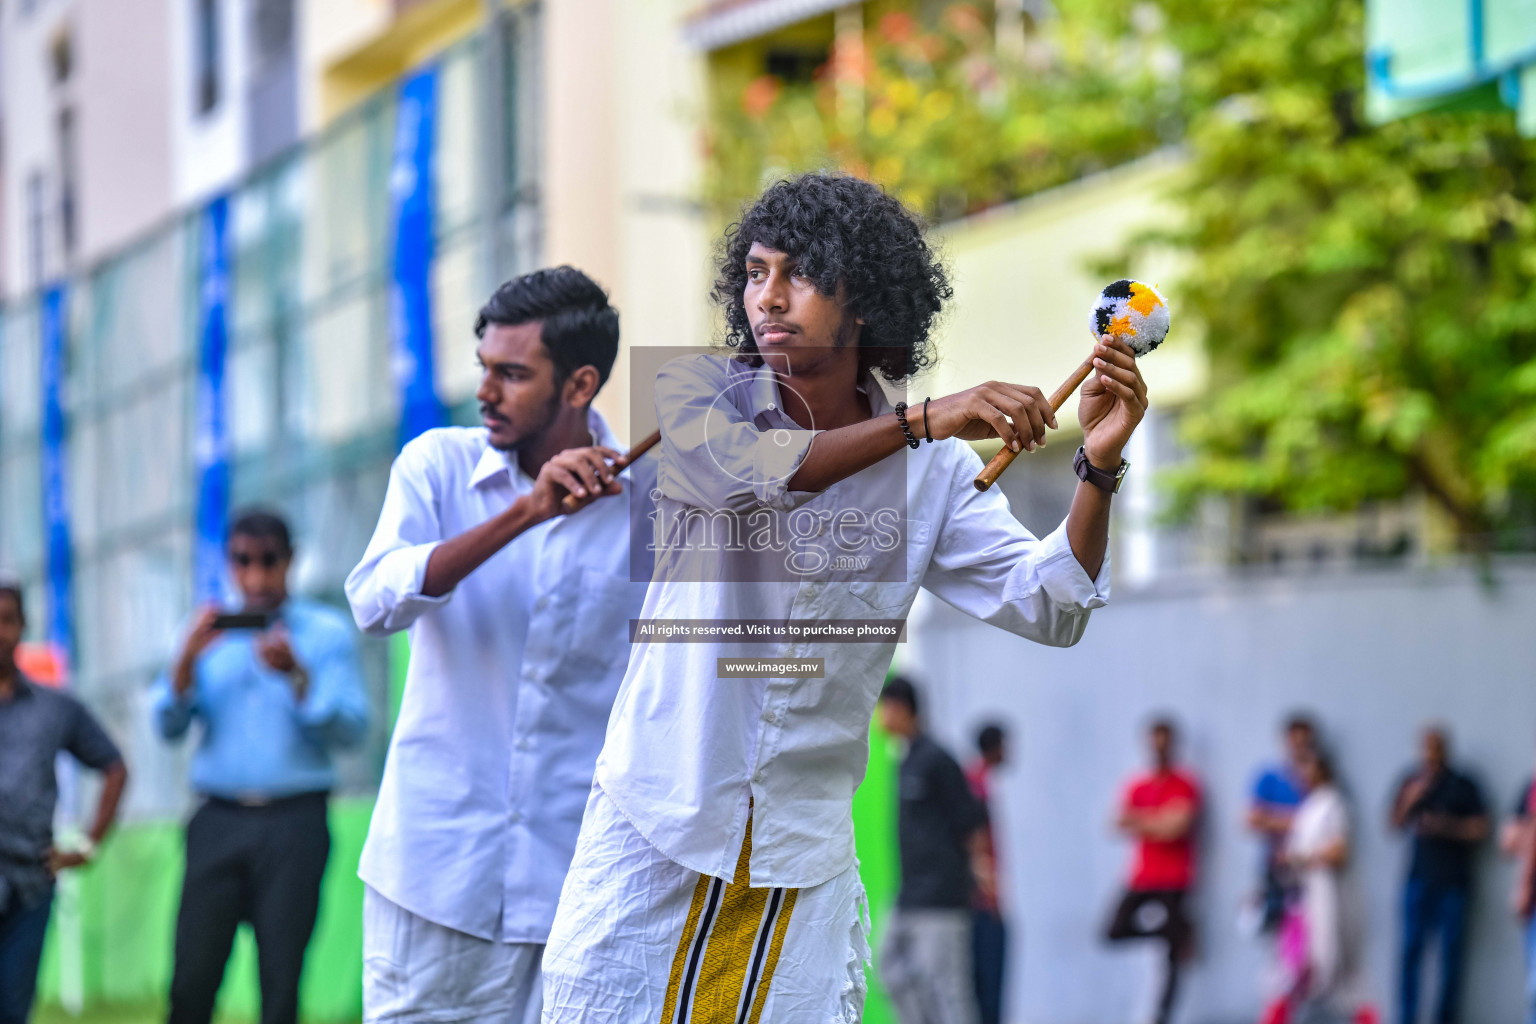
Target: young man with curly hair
714 879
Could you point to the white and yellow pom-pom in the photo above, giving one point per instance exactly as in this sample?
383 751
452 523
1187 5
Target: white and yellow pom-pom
1132 311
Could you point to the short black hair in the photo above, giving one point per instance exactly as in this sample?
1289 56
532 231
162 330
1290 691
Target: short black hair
1300 721
262 524
10 585
1324 762
576 323
901 690
1164 723
844 231
989 738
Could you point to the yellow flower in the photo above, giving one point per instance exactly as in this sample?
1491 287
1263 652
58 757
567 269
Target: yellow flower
937 105
903 94
886 170
881 122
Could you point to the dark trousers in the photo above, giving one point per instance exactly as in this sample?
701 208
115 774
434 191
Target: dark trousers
22 929
989 957
1156 914
1427 909
262 865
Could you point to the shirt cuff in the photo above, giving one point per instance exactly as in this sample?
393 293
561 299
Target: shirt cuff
407 572
776 462
1063 577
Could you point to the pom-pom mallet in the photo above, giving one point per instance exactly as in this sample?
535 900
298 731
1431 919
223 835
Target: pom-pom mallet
628 458
1129 310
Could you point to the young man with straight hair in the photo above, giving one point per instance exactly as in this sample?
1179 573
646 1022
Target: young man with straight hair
989 944
37 724
1159 810
715 878
275 703
1444 813
518 614
925 955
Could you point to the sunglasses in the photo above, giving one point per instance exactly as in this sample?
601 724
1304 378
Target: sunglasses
267 559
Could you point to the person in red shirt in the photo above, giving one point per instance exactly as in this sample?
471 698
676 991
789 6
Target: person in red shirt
1159 810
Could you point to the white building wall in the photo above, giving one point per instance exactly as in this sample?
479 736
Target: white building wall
1374 656
125 129
30 152
208 149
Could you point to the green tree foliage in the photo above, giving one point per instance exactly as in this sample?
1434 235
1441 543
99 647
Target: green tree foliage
946 121
1369 292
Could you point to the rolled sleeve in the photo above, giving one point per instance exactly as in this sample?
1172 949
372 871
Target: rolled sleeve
384 590
986 564
1063 576
713 456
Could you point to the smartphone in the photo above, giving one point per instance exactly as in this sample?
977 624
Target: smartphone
243 620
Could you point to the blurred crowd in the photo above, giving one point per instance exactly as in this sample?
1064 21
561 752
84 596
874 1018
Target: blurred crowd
943 954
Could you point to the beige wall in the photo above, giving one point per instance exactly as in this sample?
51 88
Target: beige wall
1023 288
623 95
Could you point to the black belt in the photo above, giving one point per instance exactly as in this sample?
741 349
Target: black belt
256 801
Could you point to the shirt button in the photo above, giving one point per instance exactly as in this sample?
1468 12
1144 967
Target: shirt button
541 604
523 744
759 775
770 716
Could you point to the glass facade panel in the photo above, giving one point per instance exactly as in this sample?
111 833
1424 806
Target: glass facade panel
311 405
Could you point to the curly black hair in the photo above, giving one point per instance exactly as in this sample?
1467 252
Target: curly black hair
842 230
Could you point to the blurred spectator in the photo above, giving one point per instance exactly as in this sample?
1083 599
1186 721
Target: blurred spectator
1320 941
1159 810
274 697
1443 811
37 723
925 957
989 950
1519 842
1276 796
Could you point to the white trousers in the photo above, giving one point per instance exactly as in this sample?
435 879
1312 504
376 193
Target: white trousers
640 939
418 972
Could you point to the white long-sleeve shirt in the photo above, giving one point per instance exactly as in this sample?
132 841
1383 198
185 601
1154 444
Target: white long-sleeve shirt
688 753
511 679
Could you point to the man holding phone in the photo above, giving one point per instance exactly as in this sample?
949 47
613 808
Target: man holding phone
277 688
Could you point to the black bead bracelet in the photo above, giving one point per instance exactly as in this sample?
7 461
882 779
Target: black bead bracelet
901 417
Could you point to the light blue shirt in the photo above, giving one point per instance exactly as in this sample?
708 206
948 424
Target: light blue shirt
257 741
511 678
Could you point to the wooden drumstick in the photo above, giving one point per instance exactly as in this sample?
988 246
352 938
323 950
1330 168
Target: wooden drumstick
1131 311
570 502
1004 458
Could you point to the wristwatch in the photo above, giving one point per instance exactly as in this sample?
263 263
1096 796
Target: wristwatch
1105 480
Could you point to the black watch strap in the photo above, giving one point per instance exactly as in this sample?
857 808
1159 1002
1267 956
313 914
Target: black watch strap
1104 479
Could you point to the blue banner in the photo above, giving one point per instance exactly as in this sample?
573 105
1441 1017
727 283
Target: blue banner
210 449
410 290
54 317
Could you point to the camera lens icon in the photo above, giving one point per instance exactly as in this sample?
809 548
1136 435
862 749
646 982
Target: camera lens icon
725 407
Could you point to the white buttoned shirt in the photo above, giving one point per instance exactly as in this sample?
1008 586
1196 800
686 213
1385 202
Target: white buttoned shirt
511 679
689 755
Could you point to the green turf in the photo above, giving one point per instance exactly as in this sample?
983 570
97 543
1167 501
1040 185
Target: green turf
115 1015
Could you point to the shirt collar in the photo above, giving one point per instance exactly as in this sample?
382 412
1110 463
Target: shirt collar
494 461
23 686
763 393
